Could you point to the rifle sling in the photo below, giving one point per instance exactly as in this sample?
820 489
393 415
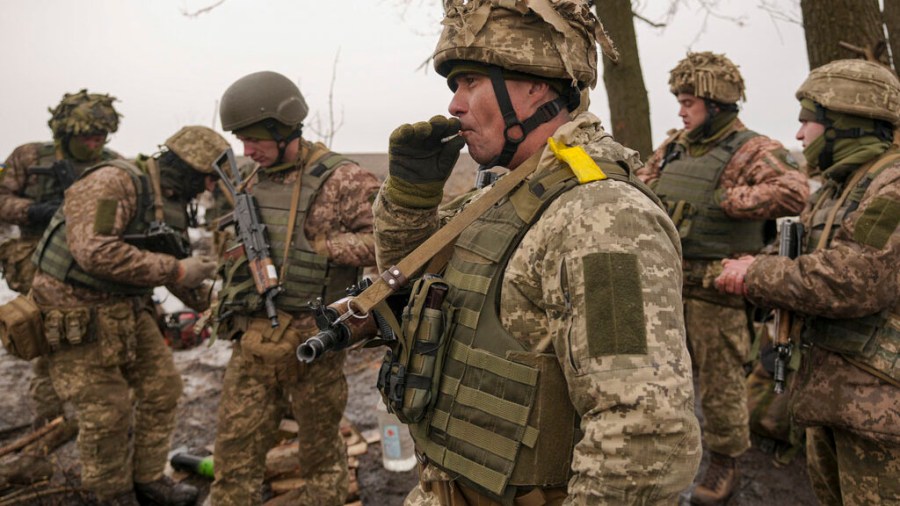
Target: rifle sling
398 275
153 171
295 204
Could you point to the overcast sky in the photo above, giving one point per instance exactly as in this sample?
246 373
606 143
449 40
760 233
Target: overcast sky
169 70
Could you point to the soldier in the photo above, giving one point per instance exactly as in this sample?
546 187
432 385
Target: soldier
31 188
844 285
721 183
316 206
566 375
120 233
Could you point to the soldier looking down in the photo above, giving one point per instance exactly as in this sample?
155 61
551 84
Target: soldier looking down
565 376
121 232
721 183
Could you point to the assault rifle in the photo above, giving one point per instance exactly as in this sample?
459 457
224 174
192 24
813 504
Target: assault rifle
789 246
62 170
251 233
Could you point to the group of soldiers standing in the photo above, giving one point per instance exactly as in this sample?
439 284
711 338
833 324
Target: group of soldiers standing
545 355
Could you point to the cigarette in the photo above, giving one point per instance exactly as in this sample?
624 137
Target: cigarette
449 138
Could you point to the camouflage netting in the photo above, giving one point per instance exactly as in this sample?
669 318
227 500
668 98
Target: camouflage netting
708 75
856 87
552 39
198 146
84 113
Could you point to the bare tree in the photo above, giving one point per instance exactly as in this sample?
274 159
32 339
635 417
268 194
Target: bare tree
891 16
328 132
857 23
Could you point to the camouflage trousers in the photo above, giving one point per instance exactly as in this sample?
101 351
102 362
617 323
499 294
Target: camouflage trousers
847 469
720 343
122 380
254 400
46 403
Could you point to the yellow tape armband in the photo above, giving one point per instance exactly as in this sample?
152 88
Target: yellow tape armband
584 167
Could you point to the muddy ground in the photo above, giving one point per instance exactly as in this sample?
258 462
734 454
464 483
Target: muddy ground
203 369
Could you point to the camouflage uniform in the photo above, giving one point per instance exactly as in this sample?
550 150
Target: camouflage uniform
258 392
759 182
848 399
18 190
635 409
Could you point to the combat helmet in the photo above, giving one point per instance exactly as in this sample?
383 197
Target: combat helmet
198 146
709 76
553 41
83 113
854 88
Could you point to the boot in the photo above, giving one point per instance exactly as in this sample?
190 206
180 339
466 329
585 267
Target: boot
124 499
165 492
718 483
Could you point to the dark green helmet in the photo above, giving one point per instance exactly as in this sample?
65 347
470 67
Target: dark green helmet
84 113
260 96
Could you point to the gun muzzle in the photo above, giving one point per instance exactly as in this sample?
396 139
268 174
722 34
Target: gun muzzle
315 346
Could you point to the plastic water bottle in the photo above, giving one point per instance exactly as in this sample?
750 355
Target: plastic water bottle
397 448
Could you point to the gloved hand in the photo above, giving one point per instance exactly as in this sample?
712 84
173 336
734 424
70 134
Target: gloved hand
40 213
192 271
420 162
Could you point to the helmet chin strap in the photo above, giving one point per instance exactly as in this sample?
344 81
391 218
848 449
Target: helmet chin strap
281 140
545 113
712 109
832 134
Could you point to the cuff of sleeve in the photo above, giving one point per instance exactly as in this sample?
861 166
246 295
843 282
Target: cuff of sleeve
320 245
417 196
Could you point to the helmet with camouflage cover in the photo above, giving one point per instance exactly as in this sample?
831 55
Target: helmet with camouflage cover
547 40
708 75
83 113
856 87
198 146
262 96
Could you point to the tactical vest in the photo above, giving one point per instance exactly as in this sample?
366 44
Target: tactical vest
871 342
687 185
54 258
501 419
46 187
308 275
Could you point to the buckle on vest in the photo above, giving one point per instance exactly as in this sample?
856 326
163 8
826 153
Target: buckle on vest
397 387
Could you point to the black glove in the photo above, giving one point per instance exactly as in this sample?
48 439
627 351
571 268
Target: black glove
40 213
421 161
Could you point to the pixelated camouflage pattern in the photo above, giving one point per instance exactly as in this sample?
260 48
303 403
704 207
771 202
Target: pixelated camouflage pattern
708 75
554 39
45 403
760 182
198 146
102 255
100 379
84 113
845 469
641 439
255 397
857 87
720 345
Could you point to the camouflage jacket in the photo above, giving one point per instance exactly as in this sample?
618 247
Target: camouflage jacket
15 179
760 181
640 431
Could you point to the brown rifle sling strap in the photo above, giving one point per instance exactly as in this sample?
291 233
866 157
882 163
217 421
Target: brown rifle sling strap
295 204
153 171
397 276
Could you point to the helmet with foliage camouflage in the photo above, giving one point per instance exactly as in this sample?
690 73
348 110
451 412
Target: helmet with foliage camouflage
198 146
84 113
855 87
260 96
550 39
708 75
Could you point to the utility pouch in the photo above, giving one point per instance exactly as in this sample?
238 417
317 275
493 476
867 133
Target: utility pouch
263 344
21 330
115 333
407 378
873 340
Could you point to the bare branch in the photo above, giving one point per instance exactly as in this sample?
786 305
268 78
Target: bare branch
645 20
328 134
202 10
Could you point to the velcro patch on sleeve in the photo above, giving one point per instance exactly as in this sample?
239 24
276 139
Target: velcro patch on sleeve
878 222
614 305
105 219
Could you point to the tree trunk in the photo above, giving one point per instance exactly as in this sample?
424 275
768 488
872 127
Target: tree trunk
629 106
829 22
892 23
